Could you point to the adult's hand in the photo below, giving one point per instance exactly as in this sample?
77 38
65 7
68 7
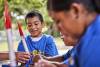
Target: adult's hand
45 63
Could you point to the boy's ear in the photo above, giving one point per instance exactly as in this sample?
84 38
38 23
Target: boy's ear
43 24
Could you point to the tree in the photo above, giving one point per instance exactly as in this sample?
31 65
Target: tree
19 8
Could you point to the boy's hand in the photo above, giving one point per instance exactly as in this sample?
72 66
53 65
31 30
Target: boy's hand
22 57
36 58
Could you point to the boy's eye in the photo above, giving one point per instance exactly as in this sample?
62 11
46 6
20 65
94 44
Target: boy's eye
29 25
36 23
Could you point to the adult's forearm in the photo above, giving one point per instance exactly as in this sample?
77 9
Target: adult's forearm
55 58
57 64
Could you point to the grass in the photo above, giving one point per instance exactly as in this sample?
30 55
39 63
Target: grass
59 43
4 46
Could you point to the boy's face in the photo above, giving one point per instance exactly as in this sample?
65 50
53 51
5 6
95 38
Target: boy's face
34 26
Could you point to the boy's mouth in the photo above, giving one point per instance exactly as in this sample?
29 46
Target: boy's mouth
35 30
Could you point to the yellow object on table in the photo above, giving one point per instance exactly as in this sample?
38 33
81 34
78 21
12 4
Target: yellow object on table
36 55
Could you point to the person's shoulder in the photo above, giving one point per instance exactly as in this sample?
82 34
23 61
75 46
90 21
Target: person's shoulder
27 37
48 36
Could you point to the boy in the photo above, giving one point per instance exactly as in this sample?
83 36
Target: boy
36 41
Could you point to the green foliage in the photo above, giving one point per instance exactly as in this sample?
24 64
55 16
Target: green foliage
19 8
1 24
54 33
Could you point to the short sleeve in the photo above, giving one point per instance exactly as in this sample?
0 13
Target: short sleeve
50 49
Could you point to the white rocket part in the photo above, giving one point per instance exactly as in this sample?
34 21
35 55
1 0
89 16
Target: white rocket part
10 47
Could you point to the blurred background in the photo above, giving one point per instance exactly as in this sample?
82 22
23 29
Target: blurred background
18 10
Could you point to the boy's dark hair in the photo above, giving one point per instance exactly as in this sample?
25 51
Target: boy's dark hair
64 5
32 14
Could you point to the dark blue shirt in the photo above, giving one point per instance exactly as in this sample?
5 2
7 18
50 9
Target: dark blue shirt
87 52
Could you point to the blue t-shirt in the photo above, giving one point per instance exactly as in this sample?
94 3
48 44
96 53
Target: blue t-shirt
87 52
45 45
